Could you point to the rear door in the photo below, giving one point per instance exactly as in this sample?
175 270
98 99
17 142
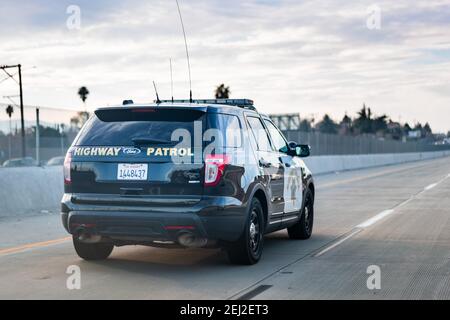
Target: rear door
272 166
142 156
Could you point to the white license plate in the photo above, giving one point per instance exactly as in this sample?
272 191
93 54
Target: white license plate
132 171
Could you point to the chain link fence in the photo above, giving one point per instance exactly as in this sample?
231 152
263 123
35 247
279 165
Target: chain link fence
56 130
59 127
330 144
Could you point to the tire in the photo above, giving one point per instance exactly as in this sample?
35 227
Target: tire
248 249
92 251
303 228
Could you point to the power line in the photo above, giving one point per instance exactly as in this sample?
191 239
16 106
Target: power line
10 76
44 107
22 120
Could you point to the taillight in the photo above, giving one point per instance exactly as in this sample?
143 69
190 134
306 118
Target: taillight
67 162
214 168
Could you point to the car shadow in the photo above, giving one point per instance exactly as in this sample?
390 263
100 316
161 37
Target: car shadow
278 249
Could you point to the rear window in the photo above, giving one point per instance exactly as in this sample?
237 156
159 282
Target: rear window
126 127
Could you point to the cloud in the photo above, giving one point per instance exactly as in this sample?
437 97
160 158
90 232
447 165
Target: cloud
309 57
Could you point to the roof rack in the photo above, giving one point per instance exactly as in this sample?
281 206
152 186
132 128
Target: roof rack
242 103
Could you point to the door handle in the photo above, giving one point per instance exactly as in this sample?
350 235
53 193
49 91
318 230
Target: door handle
265 164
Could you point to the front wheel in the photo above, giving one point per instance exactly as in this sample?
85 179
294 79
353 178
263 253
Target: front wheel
303 228
92 251
248 249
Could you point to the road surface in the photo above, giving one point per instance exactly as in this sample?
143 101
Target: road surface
395 219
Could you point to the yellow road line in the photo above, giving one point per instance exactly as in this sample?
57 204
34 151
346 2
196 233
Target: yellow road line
33 245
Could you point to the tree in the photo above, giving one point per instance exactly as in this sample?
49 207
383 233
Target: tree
406 128
418 127
222 92
83 92
327 125
305 125
427 129
379 124
345 127
80 119
364 121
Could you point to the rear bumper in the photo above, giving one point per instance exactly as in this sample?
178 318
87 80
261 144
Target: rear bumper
215 218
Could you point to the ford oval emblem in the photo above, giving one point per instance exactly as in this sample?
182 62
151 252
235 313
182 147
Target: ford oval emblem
131 151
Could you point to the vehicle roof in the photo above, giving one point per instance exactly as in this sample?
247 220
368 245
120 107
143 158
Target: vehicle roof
213 108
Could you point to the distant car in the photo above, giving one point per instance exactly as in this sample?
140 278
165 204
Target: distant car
55 161
20 162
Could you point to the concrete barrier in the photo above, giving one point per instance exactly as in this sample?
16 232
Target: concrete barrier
35 190
328 164
30 190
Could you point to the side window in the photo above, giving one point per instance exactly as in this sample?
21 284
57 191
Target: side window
277 138
229 127
259 133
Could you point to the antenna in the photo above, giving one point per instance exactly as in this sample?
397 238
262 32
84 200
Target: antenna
156 91
171 78
187 52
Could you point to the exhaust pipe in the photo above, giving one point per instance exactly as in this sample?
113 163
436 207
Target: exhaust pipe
83 235
188 239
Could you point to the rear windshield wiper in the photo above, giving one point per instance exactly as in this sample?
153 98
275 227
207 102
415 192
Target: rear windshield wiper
144 141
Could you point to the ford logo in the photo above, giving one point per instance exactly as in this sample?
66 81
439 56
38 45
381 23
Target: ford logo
131 151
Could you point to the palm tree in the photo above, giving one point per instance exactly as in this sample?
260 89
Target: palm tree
83 92
364 121
222 92
379 124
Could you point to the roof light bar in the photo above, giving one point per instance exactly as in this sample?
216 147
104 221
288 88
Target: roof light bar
243 103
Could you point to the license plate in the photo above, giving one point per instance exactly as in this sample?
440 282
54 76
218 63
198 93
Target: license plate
132 171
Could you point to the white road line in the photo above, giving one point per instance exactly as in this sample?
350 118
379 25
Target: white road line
334 245
375 219
370 222
431 186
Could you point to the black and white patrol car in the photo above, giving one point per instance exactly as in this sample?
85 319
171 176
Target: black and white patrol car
206 173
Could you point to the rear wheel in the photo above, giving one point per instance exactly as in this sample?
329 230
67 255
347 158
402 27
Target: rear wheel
303 228
248 249
92 251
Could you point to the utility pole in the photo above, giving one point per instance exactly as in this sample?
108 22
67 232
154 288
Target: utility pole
22 120
38 158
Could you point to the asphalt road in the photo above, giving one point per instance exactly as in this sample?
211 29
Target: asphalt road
395 219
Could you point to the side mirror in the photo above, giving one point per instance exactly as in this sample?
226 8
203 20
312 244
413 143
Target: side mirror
303 150
299 150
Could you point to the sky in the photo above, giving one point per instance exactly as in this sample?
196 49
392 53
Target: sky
306 57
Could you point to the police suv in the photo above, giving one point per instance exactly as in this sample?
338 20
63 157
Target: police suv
202 173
